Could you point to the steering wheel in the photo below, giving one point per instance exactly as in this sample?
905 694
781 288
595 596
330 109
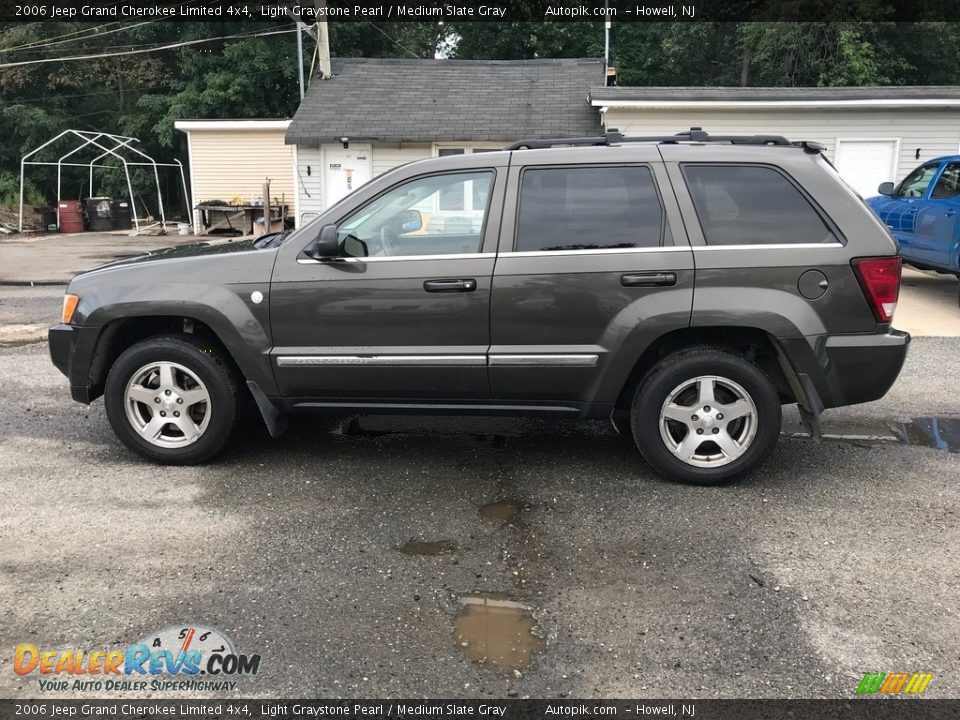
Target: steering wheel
387 237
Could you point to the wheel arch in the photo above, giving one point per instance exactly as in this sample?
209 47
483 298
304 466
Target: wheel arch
751 342
119 333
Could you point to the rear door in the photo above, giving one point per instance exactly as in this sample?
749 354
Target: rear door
593 265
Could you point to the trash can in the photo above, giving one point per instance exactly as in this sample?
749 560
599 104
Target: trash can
99 213
71 216
48 218
122 217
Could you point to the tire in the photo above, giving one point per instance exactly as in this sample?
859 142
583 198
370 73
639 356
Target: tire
730 445
182 379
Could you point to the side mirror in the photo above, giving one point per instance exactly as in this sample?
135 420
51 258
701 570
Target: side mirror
410 221
886 188
354 247
325 245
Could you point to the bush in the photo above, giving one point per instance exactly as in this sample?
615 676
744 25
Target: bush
10 192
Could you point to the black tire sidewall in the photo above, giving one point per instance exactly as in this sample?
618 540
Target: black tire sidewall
650 396
209 368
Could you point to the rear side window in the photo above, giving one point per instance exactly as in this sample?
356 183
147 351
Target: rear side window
588 208
752 205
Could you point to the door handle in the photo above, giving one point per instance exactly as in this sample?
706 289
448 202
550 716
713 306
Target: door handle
450 286
649 279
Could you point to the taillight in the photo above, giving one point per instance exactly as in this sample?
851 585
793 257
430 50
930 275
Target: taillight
880 281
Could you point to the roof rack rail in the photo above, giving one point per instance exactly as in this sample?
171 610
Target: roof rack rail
694 134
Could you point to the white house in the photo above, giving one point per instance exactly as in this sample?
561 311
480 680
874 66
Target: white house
375 114
872 134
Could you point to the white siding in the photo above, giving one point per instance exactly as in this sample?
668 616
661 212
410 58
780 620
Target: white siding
309 182
387 157
310 187
935 132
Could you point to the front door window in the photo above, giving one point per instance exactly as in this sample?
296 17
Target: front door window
435 215
916 183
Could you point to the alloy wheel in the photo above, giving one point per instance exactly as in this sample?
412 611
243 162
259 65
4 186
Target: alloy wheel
708 421
167 404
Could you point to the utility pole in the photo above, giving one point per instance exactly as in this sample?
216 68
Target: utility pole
323 40
300 58
606 42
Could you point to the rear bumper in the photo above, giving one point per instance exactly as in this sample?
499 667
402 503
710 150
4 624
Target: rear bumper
71 350
850 369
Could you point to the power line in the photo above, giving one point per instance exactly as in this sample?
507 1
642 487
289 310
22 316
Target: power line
403 47
172 46
130 46
36 47
172 83
32 43
41 43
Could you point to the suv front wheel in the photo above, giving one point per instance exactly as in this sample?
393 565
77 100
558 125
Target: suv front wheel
705 416
172 400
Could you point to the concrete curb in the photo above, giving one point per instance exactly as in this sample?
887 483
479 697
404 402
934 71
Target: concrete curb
33 283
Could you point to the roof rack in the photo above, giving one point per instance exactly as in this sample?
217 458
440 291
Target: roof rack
694 134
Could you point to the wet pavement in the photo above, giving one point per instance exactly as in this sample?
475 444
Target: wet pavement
356 556
937 432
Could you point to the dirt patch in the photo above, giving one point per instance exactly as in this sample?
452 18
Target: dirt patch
14 335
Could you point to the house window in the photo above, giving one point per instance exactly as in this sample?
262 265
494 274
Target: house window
463 204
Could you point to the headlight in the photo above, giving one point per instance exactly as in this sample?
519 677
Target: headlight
69 306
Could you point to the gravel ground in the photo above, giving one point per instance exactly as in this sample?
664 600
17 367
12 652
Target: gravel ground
836 559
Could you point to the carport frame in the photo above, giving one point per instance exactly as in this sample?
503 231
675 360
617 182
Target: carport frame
117 144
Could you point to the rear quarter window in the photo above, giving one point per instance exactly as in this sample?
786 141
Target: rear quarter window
753 205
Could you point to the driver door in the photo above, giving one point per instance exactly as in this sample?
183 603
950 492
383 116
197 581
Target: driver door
935 234
900 211
402 315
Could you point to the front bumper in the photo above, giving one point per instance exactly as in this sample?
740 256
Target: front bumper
850 369
71 350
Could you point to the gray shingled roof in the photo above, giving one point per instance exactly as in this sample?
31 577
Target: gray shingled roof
393 100
804 94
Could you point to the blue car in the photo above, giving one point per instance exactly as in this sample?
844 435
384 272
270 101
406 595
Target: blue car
922 212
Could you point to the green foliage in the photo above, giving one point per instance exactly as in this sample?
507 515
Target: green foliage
10 192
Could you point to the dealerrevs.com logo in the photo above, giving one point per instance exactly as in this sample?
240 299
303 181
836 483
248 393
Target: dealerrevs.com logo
180 658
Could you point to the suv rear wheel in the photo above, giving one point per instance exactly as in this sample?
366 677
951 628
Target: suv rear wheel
705 416
172 400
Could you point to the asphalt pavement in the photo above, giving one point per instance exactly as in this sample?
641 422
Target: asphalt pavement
836 559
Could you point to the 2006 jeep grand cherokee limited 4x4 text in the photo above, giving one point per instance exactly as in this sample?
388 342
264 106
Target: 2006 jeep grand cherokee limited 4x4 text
685 286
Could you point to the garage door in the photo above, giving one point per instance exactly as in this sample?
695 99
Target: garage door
866 163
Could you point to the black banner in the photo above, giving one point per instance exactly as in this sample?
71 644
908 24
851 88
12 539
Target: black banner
854 709
479 11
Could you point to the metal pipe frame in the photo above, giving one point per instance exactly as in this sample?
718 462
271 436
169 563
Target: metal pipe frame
119 143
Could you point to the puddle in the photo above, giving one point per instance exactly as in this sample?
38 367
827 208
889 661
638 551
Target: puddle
421 547
494 629
355 429
940 433
502 510
495 441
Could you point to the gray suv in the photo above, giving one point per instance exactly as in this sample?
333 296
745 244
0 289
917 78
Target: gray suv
685 287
